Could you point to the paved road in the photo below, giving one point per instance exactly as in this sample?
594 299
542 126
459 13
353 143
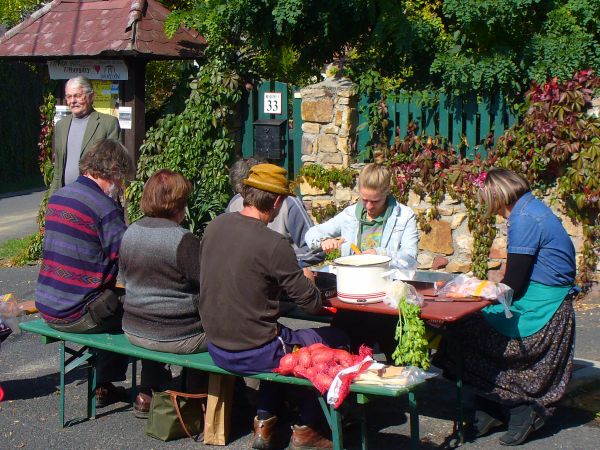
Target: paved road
29 414
18 215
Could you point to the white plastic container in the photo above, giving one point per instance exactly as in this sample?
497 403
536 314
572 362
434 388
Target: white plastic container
359 278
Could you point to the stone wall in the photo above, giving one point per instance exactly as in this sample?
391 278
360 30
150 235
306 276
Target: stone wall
329 112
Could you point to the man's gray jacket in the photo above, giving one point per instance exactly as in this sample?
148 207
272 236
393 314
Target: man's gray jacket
99 126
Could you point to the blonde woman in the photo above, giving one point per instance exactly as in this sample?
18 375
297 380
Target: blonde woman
376 224
520 366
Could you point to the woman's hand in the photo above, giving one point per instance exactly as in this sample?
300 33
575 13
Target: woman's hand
369 251
331 244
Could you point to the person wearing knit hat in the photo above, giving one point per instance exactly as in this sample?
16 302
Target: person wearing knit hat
292 221
245 269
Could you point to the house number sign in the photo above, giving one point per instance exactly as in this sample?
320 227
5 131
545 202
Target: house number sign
272 103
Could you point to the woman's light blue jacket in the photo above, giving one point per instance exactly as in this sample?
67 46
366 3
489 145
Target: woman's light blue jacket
400 236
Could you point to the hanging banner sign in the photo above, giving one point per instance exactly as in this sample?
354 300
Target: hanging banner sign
114 70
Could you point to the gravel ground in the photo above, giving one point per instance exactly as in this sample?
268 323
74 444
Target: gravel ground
29 413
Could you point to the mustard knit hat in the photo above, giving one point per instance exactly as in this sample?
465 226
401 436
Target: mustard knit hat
270 178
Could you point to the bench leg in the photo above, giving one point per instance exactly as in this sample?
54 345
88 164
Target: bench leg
133 380
61 403
91 390
334 419
362 400
414 421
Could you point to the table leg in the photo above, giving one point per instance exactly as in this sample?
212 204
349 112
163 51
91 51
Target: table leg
459 396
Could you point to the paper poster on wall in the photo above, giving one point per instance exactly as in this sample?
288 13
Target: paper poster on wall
125 117
107 97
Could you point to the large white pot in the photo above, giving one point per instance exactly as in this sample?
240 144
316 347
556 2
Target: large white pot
359 278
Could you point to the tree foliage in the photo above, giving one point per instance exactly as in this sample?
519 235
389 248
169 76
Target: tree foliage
14 11
456 45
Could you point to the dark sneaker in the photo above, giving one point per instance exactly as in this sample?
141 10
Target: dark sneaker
484 423
108 393
524 420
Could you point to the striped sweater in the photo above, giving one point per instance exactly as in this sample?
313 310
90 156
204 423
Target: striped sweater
80 252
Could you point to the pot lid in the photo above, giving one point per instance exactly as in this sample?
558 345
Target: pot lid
362 260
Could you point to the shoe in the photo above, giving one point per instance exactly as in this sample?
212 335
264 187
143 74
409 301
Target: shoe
524 419
484 423
264 431
141 408
305 438
108 393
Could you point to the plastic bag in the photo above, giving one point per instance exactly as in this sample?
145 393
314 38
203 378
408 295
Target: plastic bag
399 290
9 311
393 376
405 265
466 286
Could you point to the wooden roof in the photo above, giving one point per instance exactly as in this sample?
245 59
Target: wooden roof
99 28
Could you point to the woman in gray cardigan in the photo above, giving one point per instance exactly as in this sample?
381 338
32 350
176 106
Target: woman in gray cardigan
160 267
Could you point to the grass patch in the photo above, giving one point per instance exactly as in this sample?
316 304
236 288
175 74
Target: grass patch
12 249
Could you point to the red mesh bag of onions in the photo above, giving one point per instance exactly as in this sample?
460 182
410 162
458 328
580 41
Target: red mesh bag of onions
320 364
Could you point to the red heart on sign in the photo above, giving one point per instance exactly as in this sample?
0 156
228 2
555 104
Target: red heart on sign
97 68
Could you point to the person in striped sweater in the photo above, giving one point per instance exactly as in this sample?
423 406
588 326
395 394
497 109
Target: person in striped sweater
76 285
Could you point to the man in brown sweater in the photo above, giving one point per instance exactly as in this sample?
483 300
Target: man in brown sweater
244 268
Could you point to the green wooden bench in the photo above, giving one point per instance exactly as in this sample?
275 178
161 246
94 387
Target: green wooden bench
118 343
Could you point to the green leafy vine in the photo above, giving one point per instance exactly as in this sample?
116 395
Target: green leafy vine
47 109
321 177
196 143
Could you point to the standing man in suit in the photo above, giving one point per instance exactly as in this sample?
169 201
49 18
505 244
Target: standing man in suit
75 134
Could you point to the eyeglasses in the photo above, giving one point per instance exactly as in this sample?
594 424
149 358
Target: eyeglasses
75 97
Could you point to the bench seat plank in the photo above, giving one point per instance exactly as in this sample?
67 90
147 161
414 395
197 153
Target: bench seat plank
118 343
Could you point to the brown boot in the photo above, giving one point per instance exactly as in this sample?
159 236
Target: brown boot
305 438
141 408
264 431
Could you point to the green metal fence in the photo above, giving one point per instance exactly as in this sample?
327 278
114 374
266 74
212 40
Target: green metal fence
463 122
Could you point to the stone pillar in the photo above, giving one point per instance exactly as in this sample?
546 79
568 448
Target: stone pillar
330 117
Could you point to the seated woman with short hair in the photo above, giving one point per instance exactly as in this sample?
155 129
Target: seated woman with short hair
160 266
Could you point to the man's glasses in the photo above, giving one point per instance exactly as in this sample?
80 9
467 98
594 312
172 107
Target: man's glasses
75 97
